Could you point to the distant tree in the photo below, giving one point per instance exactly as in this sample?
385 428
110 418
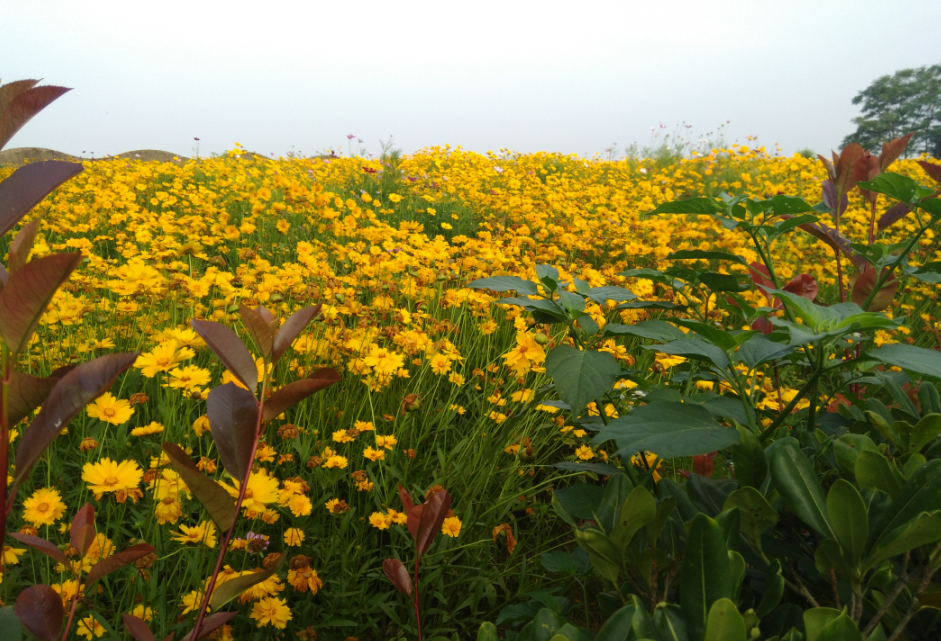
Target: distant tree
907 101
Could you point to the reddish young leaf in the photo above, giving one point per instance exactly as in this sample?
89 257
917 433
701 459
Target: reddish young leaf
11 90
210 624
258 328
413 519
4 275
704 464
42 545
83 532
845 180
396 572
828 165
265 313
760 276
933 170
22 245
295 392
233 415
892 150
828 193
866 168
26 394
864 282
27 293
116 562
23 107
895 213
436 509
28 185
293 326
70 395
763 325
210 494
231 351
224 593
39 609
803 285
406 498
137 628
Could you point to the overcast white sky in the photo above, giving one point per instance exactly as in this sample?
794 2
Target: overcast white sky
527 76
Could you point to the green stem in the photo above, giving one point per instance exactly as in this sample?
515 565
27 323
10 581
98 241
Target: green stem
883 277
812 381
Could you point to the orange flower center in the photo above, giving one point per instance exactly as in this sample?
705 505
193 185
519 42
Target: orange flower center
111 481
43 507
108 411
249 494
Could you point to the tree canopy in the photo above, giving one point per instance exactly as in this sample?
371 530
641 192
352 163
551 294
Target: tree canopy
907 101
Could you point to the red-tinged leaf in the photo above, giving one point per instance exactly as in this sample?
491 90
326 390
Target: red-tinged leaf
70 395
895 213
83 532
137 628
4 275
22 245
864 282
26 394
803 285
436 509
234 587
11 90
27 293
866 168
413 519
39 609
258 328
762 324
265 313
933 170
231 351
406 498
293 326
704 464
892 150
760 276
28 185
23 107
828 165
169 637
210 494
116 562
396 572
845 180
210 624
295 392
42 545
233 416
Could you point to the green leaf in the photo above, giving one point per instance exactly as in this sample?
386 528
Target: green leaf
926 362
210 494
10 629
758 351
487 632
774 590
751 467
925 431
534 305
602 294
619 625
616 492
567 632
737 570
847 449
581 376
561 562
849 520
789 205
655 330
841 628
604 555
724 282
580 500
546 625
707 206
669 622
506 284
795 478
723 339
755 512
816 619
669 430
702 254
705 575
901 188
920 493
724 622
638 511
643 623
923 529
694 348
875 472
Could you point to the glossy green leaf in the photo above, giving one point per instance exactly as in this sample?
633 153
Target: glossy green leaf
756 514
925 431
816 619
847 449
774 590
705 575
724 623
487 632
841 628
922 530
604 555
619 625
920 493
581 376
546 625
707 206
875 472
849 519
616 492
795 478
655 330
669 430
638 511
694 348
702 254
506 284
669 622
926 362
897 186
751 467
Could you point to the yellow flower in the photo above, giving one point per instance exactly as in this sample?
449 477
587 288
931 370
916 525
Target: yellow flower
43 507
189 377
162 358
374 455
378 520
11 555
90 628
153 428
283 226
293 537
451 527
526 355
387 442
271 611
110 410
262 489
200 425
305 578
142 612
110 476
584 452
205 532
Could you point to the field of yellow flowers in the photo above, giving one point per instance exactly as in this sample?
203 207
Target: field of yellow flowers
439 388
